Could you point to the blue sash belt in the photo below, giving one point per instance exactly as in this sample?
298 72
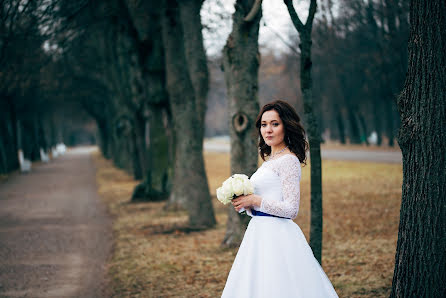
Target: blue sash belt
260 213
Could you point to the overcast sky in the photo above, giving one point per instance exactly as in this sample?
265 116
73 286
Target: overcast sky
216 15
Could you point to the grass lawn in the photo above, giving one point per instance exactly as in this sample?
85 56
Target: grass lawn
152 258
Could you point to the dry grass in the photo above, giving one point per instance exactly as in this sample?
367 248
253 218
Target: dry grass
154 258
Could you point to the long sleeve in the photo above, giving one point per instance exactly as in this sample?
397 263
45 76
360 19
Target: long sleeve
289 171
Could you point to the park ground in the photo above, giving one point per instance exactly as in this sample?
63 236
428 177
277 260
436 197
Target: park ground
154 257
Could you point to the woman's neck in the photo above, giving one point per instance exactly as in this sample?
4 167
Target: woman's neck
277 148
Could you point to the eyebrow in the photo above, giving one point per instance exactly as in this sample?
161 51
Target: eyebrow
271 120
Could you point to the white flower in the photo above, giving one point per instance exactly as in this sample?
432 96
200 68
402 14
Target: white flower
222 196
236 185
243 176
248 188
227 188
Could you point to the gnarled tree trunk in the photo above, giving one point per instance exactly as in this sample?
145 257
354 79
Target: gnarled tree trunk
241 59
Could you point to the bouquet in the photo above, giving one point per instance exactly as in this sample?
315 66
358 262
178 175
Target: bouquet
234 186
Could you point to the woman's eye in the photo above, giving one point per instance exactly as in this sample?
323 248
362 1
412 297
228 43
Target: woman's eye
263 125
276 124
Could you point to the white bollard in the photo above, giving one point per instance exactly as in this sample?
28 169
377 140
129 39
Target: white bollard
61 148
43 156
25 164
373 138
54 152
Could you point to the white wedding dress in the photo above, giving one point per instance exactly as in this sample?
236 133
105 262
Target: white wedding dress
274 258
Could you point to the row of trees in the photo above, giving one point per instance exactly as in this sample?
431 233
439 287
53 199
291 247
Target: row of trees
359 57
31 116
139 69
360 63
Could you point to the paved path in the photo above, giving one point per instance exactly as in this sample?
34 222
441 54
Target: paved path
55 235
354 155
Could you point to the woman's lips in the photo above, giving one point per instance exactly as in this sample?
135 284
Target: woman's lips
269 138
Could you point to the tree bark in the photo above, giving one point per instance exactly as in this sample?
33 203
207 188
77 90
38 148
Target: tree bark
377 120
340 126
314 135
152 137
354 131
390 115
241 59
155 186
195 53
190 187
420 260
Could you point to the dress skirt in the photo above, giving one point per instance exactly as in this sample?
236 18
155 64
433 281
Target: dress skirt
275 260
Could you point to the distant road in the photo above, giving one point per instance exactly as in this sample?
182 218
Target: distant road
334 154
55 234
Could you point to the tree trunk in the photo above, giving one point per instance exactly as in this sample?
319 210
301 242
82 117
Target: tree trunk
377 121
420 260
390 115
364 131
139 127
3 149
152 108
340 125
104 137
314 140
135 151
195 53
241 63
355 137
155 184
190 187
314 135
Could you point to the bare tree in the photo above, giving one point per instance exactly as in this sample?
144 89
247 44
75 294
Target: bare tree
314 136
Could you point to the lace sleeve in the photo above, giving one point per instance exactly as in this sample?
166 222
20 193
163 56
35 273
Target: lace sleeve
289 171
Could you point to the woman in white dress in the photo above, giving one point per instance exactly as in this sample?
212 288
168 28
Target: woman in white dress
274 258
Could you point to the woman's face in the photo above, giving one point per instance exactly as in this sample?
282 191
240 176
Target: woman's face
271 129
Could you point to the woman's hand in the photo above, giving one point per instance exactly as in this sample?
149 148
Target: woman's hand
246 201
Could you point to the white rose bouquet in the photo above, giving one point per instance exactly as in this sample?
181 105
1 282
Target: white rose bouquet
234 186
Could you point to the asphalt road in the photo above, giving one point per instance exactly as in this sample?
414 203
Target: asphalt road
55 235
335 154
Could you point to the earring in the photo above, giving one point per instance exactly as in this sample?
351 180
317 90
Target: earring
289 142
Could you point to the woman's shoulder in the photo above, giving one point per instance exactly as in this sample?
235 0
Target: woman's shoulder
288 157
286 162
289 166
284 165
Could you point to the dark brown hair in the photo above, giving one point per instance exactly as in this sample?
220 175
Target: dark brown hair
294 132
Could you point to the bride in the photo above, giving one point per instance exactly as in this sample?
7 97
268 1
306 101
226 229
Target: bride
274 258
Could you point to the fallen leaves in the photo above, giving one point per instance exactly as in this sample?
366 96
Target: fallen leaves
157 255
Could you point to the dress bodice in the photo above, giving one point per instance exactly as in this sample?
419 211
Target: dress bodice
278 183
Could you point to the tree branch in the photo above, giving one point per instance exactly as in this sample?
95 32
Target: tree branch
254 10
294 17
292 48
311 13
